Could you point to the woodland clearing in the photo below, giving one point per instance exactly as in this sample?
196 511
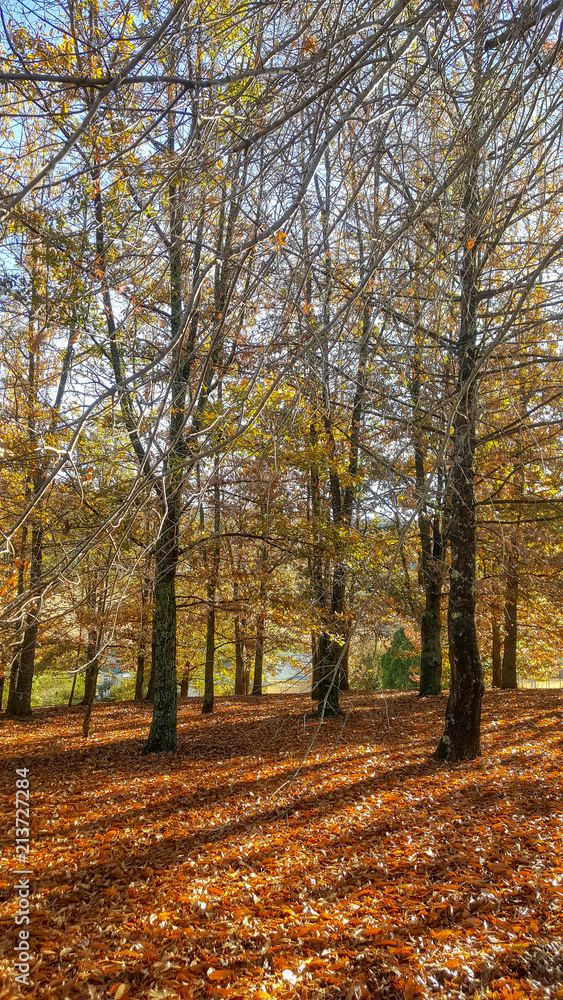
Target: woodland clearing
259 861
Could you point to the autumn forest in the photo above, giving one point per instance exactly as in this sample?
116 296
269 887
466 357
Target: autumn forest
281 367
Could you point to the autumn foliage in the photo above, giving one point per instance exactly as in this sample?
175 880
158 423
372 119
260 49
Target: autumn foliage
273 857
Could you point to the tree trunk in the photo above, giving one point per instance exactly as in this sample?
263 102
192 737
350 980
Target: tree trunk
75 674
259 654
150 687
239 657
261 621
209 689
71 695
91 674
431 630
462 732
508 671
209 686
329 679
21 706
162 735
13 686
18 638
496 656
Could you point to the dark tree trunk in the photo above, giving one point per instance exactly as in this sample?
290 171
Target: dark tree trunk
431 630
71 695
239 656
93 661
150 687
508 671
162 735
185 683
13 686
259 655
329 679
462 732
496 656
209 688
21 705
209 685
75 674
91 674
261 622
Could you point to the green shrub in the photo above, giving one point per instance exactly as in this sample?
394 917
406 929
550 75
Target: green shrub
399 664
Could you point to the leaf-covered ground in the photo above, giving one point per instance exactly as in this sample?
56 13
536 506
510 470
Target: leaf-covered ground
273 858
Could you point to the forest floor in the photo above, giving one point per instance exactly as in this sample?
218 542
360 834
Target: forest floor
273 858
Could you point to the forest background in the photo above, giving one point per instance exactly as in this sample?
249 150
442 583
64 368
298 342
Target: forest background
281 345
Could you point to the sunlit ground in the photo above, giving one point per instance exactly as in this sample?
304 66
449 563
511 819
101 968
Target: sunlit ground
271 858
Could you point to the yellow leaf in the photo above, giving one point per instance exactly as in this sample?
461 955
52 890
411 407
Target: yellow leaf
281 238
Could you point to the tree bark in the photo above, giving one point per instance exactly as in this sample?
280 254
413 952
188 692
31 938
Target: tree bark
162 735
209 686
21 705
91 674
462 732
509 678
239 657
496 656
261 621
259 655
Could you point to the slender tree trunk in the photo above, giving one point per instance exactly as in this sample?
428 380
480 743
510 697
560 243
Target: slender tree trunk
239 657
508 671
496 656
91 673
22 699
239 640
185 682
462 732
259 654
71 695
75 674
140 672
209 682
18 638
13 685
209 688
92 676
261 621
